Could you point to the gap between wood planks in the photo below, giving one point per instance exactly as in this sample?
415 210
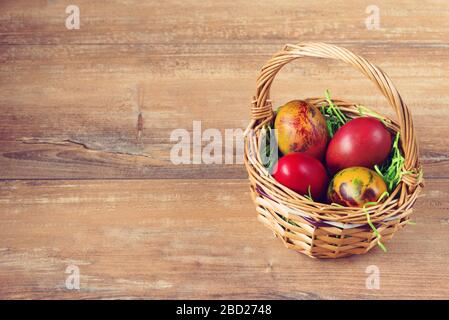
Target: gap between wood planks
383 44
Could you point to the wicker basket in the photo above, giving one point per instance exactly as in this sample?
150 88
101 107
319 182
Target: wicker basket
316 229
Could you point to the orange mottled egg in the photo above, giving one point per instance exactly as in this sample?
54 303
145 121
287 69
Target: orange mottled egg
355 186
301 127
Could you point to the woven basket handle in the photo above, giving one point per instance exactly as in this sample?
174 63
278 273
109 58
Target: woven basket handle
262 105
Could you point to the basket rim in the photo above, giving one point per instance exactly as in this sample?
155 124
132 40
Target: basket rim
326 223
267 187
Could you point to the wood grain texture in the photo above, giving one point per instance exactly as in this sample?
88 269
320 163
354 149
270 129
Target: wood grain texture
194 239
221 21
70 109
85 173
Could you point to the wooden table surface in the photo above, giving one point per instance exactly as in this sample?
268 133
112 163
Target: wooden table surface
86 176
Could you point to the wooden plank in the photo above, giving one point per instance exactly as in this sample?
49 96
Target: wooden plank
56 160
70 160
190 21
194 239
73 111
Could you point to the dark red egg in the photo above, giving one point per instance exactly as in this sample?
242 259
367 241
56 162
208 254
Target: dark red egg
362 142
299 172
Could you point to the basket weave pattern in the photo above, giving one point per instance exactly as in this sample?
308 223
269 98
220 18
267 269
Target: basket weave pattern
317 229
